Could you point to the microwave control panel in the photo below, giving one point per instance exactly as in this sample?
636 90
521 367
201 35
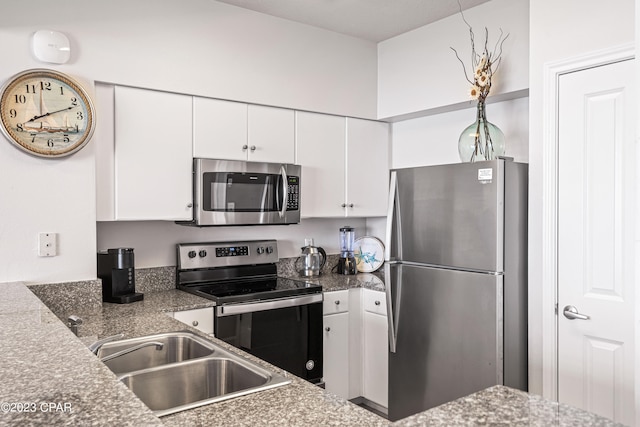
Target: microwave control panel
293 192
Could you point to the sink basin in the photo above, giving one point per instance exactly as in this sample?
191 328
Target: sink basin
177 347
198 382
185 372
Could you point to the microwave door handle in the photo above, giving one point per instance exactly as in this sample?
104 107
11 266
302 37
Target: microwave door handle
285 194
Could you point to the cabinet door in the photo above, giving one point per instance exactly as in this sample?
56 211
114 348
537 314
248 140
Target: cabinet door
219 129
335 302
367 172
104 143
336 354
375 348
200 318
320 150
152 155
271 134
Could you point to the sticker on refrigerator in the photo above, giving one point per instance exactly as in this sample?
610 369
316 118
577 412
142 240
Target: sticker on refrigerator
485 175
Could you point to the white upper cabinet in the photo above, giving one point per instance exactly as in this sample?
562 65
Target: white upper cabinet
153 155
345 165
367 170
104 143
219 129
237 131
320 145
271 134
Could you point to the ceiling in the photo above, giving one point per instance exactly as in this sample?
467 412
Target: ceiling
373 20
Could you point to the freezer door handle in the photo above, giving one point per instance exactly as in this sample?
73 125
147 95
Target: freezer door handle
391 216
390 315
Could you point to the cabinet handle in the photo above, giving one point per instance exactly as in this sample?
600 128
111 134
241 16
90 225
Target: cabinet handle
327 329
350 205
377 303
245 146
194 323
189 205
337 302
344 205
253 148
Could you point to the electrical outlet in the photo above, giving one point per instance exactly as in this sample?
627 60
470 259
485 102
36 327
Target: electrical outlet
47 244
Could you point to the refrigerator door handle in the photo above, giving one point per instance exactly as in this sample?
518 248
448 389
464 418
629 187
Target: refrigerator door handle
391 216
391 319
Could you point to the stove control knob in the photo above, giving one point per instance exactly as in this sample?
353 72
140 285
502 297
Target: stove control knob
269 249
260 250
192 254
202 253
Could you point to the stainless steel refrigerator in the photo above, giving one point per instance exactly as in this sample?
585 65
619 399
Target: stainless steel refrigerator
456 282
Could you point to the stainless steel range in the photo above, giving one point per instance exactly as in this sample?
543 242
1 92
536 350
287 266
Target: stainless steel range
276 319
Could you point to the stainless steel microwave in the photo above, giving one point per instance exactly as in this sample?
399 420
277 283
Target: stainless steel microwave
227 192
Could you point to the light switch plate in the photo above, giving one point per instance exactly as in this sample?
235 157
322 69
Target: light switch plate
47 244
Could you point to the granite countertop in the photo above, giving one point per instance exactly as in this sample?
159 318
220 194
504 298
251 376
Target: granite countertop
502 406
43 362
53 379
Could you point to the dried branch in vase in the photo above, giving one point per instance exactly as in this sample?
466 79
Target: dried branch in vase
482 140
484 64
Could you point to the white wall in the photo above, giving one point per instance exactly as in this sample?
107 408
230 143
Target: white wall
418 70
201 47
433 140
198 47
154 241
559 30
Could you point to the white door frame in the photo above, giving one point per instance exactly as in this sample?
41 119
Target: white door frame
551 74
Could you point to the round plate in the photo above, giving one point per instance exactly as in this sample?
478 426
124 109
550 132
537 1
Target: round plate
369 253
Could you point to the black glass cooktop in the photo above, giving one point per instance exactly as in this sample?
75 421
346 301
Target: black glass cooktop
259 289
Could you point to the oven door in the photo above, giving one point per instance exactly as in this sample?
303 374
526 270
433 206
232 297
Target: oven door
285 332
233 192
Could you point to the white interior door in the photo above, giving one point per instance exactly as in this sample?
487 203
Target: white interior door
596 161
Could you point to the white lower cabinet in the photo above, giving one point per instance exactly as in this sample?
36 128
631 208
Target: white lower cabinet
375 376
336 342
199 318
336 354
356 345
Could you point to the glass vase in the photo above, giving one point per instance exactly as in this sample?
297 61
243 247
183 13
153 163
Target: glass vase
481 140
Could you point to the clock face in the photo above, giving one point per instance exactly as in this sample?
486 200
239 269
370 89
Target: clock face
46 113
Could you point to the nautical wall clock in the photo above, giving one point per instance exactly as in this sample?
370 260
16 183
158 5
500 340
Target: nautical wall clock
46 113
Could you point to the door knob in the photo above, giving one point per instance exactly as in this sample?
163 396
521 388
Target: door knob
571 313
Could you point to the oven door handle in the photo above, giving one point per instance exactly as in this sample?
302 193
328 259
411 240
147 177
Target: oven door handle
234 309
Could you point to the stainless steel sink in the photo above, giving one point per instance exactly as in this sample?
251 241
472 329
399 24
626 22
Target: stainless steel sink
198 382
177 347
185 372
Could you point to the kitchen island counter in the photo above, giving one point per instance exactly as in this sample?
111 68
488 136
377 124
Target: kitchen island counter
48 368
500 405
44 362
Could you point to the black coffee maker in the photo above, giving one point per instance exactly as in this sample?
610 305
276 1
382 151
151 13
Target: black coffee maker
116 268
